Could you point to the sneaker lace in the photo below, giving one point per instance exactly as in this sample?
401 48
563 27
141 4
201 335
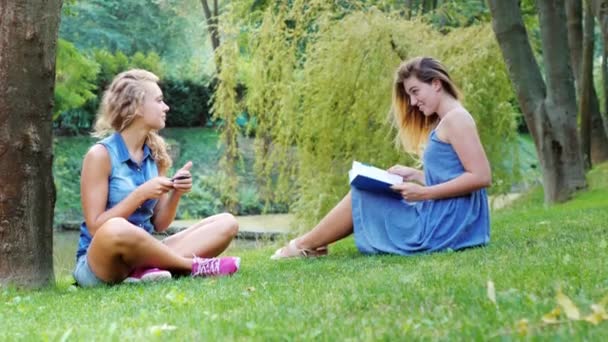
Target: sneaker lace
207 266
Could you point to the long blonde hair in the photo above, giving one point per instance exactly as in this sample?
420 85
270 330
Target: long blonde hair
412 125
121 102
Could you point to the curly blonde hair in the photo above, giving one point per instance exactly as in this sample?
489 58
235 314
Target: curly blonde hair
121 101
413 126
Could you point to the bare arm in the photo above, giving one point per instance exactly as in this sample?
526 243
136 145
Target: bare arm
166 208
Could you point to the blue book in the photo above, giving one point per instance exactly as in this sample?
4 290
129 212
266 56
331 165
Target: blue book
370 178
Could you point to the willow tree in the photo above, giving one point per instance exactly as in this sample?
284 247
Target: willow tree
319 84
27 194
226 108
549 107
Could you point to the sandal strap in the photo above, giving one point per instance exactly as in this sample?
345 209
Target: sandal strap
291 251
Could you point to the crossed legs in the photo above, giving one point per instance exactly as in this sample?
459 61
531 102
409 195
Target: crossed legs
119 246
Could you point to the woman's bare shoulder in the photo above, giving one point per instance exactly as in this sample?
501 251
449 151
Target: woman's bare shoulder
97 155
459 116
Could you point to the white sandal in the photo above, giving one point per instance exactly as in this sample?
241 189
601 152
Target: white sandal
292 251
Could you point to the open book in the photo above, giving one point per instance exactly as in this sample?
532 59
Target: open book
370 178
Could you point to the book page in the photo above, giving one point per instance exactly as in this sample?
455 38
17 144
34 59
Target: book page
375 173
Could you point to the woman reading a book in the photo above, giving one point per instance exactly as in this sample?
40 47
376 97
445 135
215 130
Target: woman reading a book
444 206
126 195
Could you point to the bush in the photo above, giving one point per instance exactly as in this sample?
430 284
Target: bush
74 86
189 102
84 81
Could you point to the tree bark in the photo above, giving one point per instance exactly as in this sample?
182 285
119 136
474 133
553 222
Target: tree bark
599 122
574 15
594 140
211 17
549 108
586 86
28 39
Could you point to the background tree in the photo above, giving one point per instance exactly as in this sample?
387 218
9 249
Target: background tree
594 141
169 28
549 107
600 11
211 18
27 194
74 81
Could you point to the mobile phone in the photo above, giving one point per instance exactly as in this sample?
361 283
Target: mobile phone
180 177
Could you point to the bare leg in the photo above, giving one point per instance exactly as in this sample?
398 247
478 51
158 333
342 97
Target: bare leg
118 247
207 238
336 225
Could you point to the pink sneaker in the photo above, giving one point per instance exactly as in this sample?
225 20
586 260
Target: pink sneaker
206 267
147 274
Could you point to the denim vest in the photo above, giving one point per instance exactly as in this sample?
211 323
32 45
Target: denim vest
125 176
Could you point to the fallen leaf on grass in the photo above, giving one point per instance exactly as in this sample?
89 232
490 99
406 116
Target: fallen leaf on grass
176 297
158 329
552 317
66 335
491 292
569 307
522 327
598 314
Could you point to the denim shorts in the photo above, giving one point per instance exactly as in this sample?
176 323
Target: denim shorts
83 274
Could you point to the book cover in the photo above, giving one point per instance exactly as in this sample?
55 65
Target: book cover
370 178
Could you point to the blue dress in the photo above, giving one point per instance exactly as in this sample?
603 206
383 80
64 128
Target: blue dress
386 225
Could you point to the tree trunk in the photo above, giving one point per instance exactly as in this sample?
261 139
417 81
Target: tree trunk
549 109
28 32
408 9
586 85
428 5
211 17
596 138
574 15
599 151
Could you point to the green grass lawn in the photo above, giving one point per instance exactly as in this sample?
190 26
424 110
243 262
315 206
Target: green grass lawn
535 252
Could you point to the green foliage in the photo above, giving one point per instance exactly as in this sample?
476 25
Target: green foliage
68 153
173 29
226 109
128 26
75 78
204 200
458 14
80 115
189 102
597 178
319 84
